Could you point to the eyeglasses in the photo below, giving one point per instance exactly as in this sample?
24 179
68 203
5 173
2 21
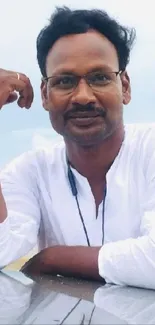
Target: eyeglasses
65 84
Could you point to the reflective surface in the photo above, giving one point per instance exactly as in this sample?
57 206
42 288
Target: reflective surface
50 300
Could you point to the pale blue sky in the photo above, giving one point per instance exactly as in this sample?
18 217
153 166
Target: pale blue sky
20 23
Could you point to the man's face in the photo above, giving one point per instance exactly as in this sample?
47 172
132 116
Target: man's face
86 111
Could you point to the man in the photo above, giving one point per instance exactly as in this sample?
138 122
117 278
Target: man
90 200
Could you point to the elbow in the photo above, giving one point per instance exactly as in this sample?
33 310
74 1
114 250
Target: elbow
129 262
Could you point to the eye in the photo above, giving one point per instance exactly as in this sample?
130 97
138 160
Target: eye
63 82
100 78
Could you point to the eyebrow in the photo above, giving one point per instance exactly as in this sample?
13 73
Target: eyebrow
104 68
95 69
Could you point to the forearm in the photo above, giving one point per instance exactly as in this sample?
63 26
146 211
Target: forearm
3 209
77 261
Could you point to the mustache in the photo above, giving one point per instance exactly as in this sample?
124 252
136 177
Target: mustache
87 109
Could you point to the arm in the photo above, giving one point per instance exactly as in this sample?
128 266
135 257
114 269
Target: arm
15 298
74 261
19 213
19 229
126 262
132 261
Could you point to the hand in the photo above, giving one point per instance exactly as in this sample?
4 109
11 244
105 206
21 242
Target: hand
37 265
31 267
12 83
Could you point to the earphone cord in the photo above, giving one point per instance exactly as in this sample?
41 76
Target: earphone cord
81 217
75 194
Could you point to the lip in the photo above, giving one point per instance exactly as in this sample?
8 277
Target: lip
84 115
84 121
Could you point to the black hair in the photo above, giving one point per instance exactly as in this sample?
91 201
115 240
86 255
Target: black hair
65 21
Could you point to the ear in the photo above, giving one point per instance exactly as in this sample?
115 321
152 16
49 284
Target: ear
44 96
126 87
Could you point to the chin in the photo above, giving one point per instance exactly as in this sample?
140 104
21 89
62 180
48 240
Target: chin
87 136
86 140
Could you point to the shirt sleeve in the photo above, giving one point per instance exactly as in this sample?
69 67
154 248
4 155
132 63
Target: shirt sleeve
15 298
132 261
19 231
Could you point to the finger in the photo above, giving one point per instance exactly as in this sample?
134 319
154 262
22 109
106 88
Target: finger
26 96
30 93
12 98
27 92
5 92
24 88
21 102
10 84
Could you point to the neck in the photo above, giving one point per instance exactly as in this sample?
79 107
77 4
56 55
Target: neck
94 162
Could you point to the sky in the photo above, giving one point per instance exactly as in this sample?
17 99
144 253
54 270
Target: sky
20 23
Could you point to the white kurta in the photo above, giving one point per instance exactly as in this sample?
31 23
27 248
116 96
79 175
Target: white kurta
41 208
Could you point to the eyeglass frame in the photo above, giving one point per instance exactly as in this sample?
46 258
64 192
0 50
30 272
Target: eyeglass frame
78 78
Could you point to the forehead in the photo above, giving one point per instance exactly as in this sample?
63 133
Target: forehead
81 53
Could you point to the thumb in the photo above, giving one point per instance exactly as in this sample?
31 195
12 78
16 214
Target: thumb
12 98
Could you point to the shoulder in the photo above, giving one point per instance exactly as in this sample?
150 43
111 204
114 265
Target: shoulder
140 140
142 135
140 130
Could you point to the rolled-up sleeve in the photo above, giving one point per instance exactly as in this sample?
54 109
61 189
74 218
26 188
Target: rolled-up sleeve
129 262
132 261
19 231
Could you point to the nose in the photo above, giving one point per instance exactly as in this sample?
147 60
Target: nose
83 94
